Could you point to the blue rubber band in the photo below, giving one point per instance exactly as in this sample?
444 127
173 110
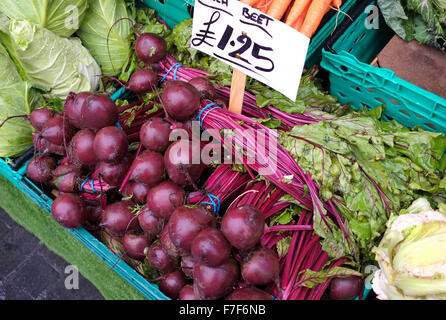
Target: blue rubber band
212 203
92 186
118 125
83 183
175 71
201 122
176 66
209 105
204 109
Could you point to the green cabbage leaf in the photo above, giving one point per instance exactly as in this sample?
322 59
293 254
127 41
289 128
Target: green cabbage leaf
59 65
61 17
105 37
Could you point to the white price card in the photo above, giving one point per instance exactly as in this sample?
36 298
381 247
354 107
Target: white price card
263 48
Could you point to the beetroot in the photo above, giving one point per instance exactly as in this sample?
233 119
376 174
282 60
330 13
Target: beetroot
187 266
39 117
185 223
249 293
181 100
66 177
164 198
138 191
110 145
154 134
93 213
135 245
99 111
40 167
180 164
73 108
150 48
58 131
44 146
204 87
81 148
117 218
215 283
187 293
149 223
172 283
143 80
345 288
68 211
167 243
210 247
261 266
160 259
112 173
148 168
243 226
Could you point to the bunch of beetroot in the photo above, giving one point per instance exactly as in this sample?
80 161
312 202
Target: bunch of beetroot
140 198
83 144
201 257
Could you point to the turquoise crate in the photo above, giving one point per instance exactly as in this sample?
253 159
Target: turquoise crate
354 81
355 38
175 11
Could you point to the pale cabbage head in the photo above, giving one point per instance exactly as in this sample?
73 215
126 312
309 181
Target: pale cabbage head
63 17
412 256
61 65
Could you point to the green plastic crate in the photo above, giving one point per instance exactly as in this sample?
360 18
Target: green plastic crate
353 80
355 38
175 11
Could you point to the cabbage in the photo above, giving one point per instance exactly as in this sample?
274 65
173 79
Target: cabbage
112 55
412 256
17 98
10 75
59 64
61 17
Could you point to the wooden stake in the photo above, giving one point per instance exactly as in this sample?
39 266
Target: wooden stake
237 91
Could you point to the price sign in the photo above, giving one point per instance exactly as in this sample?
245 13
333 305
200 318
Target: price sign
252 42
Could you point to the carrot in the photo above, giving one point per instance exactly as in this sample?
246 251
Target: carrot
278 8
296 11
316 12
337 3
301 19
249 2
263 5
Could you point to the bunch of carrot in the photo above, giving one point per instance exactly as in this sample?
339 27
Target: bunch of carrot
303 15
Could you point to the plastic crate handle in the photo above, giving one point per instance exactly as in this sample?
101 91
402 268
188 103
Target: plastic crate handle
338 63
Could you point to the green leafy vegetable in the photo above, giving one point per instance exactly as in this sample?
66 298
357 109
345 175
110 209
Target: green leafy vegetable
10 75
15 100
105 37
421 20
61 17
310 279
51 62
368 167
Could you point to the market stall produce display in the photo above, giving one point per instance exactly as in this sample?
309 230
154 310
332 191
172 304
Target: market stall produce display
286 200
